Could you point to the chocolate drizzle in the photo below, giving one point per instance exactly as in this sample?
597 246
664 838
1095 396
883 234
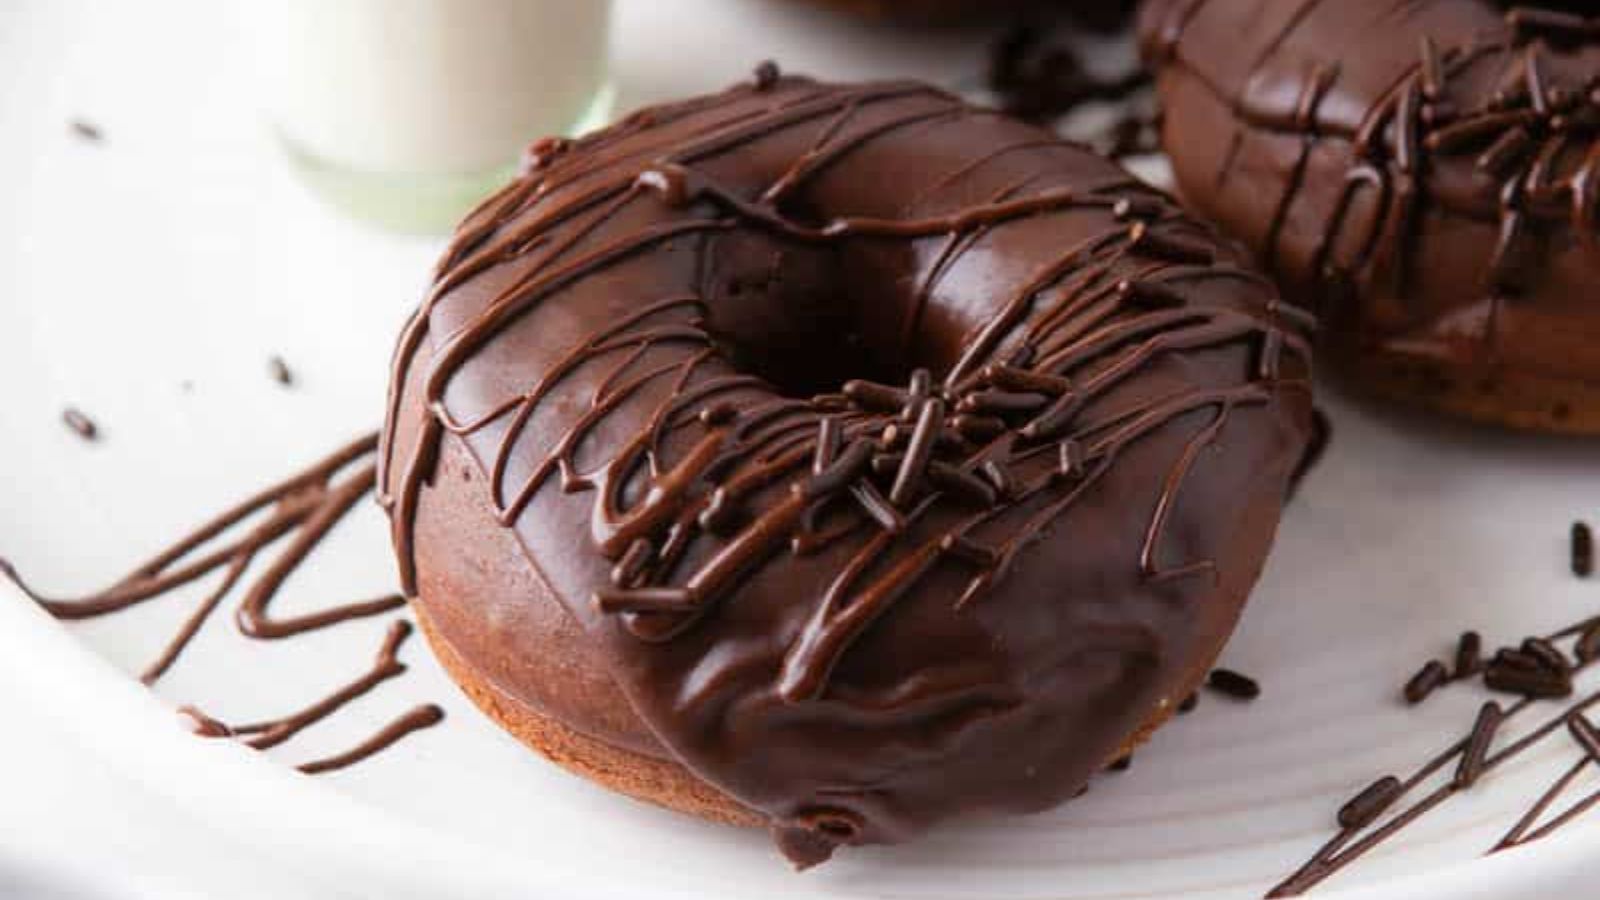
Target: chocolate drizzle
1362 826
296 513
617 274
1433 172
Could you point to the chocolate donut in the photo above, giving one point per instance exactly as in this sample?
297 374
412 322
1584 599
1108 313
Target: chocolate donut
1427 172
837 458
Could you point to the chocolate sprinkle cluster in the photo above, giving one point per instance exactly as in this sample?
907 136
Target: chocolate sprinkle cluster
1535 671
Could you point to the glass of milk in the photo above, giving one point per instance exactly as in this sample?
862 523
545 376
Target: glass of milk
406 112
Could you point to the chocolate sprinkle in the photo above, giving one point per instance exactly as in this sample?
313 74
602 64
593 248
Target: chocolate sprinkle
1469 655
1364 808
1428 679
1516 659
81 425
279 370
766 75
1233 684
1529 683
1546 653
1477 750
1582 549
85 130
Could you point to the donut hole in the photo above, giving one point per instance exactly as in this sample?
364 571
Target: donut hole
794 315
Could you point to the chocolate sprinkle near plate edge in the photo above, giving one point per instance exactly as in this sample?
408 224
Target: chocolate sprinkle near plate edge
86 131
1469 655
1426 681
1233 684
81 424
1582 549
300 510
280 371
1372 802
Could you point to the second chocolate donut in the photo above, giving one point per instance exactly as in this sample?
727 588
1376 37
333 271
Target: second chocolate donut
1428 171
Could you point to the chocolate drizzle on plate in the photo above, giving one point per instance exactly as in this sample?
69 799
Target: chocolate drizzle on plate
1537 671
294 515
697 473
269 733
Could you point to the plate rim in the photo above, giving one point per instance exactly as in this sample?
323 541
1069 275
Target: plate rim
252 784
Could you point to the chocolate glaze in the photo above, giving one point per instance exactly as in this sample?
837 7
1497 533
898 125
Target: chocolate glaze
297 512
1427 170
896 459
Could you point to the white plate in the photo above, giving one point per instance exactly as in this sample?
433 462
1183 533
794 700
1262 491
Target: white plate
180 250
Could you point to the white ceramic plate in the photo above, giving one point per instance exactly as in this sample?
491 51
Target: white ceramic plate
180 252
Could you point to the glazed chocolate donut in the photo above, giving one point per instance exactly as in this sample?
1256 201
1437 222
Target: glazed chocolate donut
1427 172
837 458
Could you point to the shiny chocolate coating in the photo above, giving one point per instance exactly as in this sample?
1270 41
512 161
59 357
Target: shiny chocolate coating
896 459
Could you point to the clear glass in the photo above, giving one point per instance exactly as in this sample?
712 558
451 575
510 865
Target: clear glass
405 112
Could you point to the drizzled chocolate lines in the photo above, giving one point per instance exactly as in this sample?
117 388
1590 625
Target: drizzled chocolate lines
269 733
300 510
272 732
1067 336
